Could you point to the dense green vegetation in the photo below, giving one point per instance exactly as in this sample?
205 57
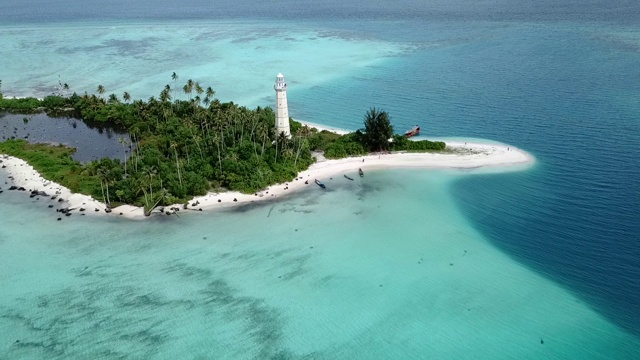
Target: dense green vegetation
178 149
377 130
53 163
377 136
185 147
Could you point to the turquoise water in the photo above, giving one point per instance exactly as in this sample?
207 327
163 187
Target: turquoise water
541 263
401 280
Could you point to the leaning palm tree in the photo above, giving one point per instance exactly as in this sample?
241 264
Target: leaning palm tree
148 208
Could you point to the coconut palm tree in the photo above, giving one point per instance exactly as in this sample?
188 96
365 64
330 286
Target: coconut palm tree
101 89
105 177
302 135
126 96
165 95
175 150
188 88
123 142
210 93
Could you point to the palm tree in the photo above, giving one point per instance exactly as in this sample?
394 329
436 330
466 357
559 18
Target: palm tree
164 194
302 134
165 95
263 132
281 139
188 88
123 142
105 178
378 129
174 146
217 140
210 93
113 99
126 96
101 89
174 77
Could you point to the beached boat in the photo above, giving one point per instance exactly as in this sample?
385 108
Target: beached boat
348 177
361 172
413 131
320 184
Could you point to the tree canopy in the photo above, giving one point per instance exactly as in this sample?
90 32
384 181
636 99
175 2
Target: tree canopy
377 129
180 148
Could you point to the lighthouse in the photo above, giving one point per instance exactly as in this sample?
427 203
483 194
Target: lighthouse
282 110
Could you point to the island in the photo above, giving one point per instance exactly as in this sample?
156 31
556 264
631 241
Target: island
195 153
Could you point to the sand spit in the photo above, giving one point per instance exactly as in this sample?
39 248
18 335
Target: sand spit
460 155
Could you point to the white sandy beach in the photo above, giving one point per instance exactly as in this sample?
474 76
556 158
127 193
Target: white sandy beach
465 156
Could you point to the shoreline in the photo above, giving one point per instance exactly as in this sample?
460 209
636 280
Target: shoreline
321 127
464 156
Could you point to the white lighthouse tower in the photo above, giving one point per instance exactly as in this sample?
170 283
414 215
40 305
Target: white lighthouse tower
282 110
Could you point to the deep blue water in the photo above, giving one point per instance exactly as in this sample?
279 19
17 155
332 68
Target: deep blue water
570 94
556 78
617 11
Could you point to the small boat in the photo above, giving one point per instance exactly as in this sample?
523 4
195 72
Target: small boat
413 131
320 184
348 177
361 172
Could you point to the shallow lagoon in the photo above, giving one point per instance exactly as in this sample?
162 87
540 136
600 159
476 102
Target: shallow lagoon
400 280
